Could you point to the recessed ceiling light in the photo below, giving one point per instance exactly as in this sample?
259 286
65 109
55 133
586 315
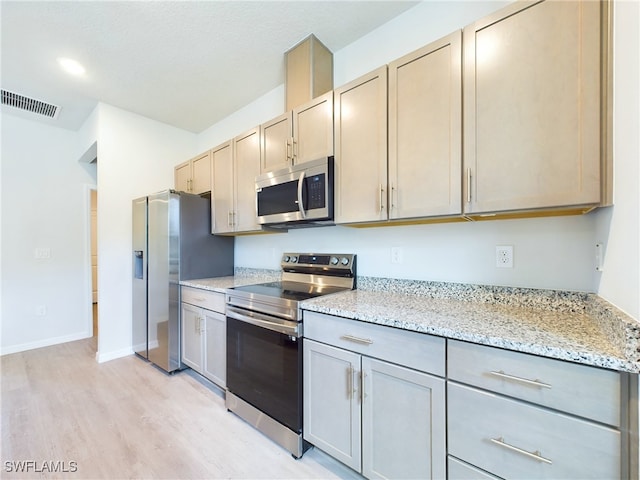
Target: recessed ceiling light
71 66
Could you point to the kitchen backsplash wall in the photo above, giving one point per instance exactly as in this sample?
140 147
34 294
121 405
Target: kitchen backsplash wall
554 253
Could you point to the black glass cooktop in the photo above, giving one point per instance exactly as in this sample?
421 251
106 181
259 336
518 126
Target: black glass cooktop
289 290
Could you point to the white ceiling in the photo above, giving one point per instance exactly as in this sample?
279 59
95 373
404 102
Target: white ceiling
184 63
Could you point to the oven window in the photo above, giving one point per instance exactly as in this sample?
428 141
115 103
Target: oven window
264 368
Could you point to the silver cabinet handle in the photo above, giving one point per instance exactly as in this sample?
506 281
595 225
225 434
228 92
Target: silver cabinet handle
381 198
394 195
300 187
363 341
535 455
535 383
295 151
468 185
363 392
229 221
287 143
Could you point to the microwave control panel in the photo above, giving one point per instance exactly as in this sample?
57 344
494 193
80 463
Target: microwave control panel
315 192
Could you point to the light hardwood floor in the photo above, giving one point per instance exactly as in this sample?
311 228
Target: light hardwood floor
127 419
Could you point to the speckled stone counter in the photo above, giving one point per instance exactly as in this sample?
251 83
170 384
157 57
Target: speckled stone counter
242 276
571 326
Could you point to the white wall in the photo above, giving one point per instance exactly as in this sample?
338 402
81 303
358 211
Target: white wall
422 24
553 253
619 227
136 157
548 253
44 205
262 109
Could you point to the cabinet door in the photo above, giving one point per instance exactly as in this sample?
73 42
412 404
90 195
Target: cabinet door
532 107
361 149
313 129
182 177
425 131
201 174
215 352
332 418
222 200
514 439
191 337
403 422
276 148
246 169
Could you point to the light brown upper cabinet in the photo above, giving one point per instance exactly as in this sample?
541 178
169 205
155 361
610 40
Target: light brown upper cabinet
235 166
182 176
300 135
223 195
425 131
308 72
194 176
532 107
361 149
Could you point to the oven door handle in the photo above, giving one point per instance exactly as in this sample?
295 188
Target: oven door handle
262 321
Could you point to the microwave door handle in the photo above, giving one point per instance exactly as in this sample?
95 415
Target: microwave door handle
300 186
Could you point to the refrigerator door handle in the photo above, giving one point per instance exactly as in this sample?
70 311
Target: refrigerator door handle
138 262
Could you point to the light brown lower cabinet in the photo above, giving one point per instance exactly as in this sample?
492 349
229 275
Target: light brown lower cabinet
513 439
382 419
516 415
204 333
390 403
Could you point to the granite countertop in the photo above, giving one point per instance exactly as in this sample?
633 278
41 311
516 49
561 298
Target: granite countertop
243 276
573 326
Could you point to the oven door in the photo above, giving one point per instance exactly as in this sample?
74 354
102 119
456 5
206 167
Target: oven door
264 364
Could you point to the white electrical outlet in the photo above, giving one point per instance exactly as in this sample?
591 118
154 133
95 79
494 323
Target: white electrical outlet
42 252
599 257
504 256
396 254
41 310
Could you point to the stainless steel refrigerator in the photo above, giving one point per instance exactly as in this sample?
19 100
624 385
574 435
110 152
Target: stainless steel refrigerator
172 241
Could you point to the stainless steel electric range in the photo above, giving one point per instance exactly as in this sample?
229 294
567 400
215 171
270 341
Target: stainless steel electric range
264 348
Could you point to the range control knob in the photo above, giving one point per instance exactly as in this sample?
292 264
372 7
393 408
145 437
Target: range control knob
294 259
285 258
334 260
344 261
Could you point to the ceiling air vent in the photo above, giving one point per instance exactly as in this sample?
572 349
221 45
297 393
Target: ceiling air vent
29 104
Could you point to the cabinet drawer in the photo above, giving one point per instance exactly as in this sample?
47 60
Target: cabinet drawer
204 298
512 439
411 349
458 470
578 389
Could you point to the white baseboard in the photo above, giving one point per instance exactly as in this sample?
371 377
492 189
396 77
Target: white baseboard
105 357
47 342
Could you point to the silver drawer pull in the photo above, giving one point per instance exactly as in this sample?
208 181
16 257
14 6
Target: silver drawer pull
199 299
351 338
536 383
535 455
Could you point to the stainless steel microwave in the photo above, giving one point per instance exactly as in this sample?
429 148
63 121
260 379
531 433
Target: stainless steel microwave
297 196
